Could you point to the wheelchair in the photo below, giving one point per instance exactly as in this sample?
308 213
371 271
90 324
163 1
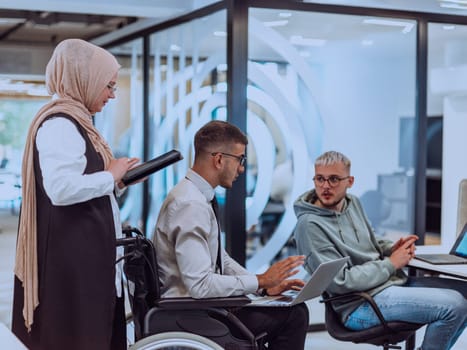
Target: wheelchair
175 341
177 323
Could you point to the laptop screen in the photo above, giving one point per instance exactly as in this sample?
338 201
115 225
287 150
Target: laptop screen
460 247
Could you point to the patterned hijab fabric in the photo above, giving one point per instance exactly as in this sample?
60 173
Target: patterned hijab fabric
76 75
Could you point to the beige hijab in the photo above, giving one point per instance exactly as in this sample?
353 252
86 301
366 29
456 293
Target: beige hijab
77 73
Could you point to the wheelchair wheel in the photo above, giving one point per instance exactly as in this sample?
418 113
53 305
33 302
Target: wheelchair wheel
175 341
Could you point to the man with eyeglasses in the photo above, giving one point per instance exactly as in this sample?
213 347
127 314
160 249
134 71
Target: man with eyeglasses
332 224
192 262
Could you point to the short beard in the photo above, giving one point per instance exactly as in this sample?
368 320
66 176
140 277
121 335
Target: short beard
332 206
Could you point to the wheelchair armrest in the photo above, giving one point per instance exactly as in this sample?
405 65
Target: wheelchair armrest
129 231
355 296
191 303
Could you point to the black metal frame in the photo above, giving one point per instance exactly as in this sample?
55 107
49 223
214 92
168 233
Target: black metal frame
386 334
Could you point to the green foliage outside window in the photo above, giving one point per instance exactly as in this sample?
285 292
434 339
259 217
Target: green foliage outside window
15 117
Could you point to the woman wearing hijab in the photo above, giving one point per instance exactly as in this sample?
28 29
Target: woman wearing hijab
68 291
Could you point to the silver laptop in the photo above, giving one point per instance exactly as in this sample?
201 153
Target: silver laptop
457 255
315 286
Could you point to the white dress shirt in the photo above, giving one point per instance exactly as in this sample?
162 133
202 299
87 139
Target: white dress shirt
186 240
62 161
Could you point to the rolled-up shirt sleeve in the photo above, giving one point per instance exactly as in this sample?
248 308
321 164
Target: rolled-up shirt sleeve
62 162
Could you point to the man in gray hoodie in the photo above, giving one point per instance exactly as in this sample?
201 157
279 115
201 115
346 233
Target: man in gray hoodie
332 224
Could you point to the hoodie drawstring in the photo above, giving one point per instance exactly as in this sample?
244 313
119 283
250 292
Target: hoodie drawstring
351 222
339 227
354 227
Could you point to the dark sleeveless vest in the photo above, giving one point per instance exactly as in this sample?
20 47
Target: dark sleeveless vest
76 268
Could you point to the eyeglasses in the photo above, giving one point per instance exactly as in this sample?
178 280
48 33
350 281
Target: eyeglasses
241 159
111 87
332 180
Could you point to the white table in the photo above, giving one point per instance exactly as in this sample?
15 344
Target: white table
456 270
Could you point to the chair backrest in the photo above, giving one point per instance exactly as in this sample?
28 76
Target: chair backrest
141 274
462 205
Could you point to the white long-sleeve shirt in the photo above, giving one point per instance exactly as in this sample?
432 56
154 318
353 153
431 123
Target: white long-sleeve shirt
186 241
62 161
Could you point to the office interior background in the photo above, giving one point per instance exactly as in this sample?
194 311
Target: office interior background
384 82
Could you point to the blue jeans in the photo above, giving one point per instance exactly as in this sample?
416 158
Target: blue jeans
443 309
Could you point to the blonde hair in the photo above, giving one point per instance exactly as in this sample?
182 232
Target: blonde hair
333 157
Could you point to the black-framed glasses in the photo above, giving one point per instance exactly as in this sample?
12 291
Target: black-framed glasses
241 159
332 180
111 87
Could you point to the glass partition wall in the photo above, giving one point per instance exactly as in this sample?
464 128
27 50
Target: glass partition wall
320 82
187 89
447 107
317 79
121 122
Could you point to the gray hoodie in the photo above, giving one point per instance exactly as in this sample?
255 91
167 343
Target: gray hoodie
323 235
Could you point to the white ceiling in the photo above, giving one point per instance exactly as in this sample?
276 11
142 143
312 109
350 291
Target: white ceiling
31 33
139 8
169 8
46 22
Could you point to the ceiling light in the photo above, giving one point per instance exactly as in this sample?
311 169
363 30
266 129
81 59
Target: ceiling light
462 2
299 40
453 6
449 27
220 33
276 23
407 26
285 14
367 42
11 20
174 47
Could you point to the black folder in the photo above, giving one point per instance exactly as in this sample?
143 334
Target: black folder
151 166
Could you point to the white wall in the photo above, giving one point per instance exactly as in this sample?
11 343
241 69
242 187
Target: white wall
365 98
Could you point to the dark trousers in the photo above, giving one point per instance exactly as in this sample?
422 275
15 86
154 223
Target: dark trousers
118 340
45 337
286 327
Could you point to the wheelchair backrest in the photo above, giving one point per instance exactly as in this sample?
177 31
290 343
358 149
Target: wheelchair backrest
140 269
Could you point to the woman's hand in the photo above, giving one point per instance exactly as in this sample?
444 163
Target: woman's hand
119 167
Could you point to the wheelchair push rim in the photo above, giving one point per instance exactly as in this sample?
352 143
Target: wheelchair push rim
175 341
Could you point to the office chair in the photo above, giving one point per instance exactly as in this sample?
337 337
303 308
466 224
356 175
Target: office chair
387 334
196 321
